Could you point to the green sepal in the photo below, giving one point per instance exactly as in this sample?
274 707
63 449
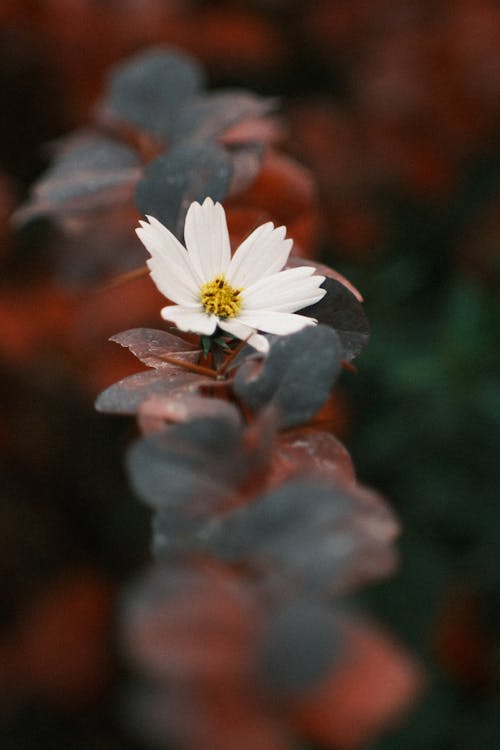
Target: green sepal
206 344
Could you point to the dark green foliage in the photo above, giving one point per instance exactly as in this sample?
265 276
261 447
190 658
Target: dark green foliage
428 434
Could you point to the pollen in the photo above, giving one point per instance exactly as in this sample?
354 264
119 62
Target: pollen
220 298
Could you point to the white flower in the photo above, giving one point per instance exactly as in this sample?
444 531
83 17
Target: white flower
240 294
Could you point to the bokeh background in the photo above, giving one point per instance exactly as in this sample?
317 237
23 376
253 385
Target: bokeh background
394 107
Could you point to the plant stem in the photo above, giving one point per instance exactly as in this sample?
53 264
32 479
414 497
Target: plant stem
189 366
222 369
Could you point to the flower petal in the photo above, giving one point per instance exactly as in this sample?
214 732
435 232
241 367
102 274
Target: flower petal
207 239
171 284
169 265
245 333
286 291
265 251
275 322
162 243
190 319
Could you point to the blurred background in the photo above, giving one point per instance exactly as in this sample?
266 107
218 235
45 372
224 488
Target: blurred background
394 107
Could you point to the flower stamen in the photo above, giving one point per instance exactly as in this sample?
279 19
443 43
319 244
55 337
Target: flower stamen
219 298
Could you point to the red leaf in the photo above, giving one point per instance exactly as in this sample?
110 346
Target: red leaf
283 187
127 396
180 407
62 644
306 450
190 623
321 268
374 684
148 345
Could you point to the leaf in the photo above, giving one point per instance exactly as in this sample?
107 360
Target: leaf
246 531
306 450
300 646
365 692
188 172
127 396
324 270
190 468
181 406
283 188
246 162
205 117
148 345
340 310
148 89
258 130
176 533
183 620
88 171
179 529
305 533
296 377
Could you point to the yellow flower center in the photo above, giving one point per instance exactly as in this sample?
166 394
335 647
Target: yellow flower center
220 298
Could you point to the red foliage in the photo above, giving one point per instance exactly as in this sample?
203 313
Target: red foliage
373 685
211 458
90 36
58 651
284 192
200 631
